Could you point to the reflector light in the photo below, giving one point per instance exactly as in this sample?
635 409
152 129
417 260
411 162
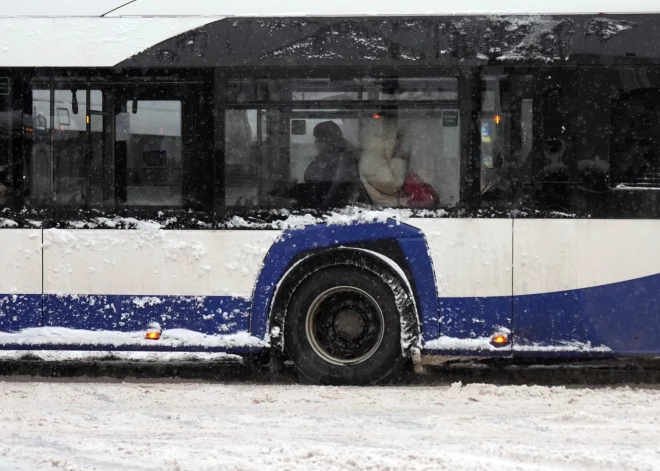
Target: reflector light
87 119
152 335
498 119
499 338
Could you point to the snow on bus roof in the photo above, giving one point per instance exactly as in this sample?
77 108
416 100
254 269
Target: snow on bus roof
104 33
123 8
84 42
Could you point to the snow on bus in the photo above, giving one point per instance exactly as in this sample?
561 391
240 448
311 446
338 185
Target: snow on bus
351 193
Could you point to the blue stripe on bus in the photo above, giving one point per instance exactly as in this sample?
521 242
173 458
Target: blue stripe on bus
474 317
19 311
623 316
126 313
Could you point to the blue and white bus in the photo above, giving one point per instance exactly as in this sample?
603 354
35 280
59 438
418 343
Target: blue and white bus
349 191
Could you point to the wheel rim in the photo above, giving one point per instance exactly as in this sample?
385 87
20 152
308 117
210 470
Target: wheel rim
345 325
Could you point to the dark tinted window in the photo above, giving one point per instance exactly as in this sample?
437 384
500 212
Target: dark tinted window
635 157
58 166
619 146
11 130
527 138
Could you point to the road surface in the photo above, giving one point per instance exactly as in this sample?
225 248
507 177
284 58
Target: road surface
160 425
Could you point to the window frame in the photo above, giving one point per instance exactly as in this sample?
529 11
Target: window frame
464 102
110 81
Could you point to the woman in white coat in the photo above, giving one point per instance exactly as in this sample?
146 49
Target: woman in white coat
384 160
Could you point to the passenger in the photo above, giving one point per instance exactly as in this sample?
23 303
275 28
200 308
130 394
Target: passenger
385 169
5 185
333 150
334 169
384 161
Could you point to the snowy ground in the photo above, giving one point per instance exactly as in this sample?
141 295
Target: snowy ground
200 426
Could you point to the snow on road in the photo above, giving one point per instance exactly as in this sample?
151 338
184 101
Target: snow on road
197 426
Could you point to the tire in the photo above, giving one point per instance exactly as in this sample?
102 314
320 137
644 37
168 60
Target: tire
342 326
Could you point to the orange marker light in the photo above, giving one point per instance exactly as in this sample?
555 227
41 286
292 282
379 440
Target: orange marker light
498 119
376 116
499 338
152 335
87 119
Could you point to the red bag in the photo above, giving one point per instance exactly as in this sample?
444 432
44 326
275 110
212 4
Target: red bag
420 194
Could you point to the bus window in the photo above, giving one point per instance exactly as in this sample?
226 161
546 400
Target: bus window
244 144
506 129
527 133
148 139
10 127
58 166
635 156
326 155
101 155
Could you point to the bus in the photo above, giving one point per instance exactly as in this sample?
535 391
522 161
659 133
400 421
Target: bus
348 191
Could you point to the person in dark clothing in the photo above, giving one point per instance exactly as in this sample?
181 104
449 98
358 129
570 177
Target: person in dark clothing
332 147
335 165
5 185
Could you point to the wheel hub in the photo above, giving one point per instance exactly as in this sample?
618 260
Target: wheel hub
345 325
349 325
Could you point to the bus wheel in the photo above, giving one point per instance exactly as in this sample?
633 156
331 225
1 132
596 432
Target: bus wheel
342 327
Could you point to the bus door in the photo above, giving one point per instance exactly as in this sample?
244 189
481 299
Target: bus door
530 164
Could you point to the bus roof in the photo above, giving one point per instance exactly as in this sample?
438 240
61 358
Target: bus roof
214 8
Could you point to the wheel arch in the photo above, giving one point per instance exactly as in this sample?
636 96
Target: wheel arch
403 244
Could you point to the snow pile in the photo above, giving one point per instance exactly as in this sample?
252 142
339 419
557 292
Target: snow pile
169 338
147 301
569 346
121 223
539 39
149 357
4 222
342 217
464 344
623 186
509 38
606 28
484 344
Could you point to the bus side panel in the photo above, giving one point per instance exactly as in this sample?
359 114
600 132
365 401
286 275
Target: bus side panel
587 286
125 279
472 263
20 282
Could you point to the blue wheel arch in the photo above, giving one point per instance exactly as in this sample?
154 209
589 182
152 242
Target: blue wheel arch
293 243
